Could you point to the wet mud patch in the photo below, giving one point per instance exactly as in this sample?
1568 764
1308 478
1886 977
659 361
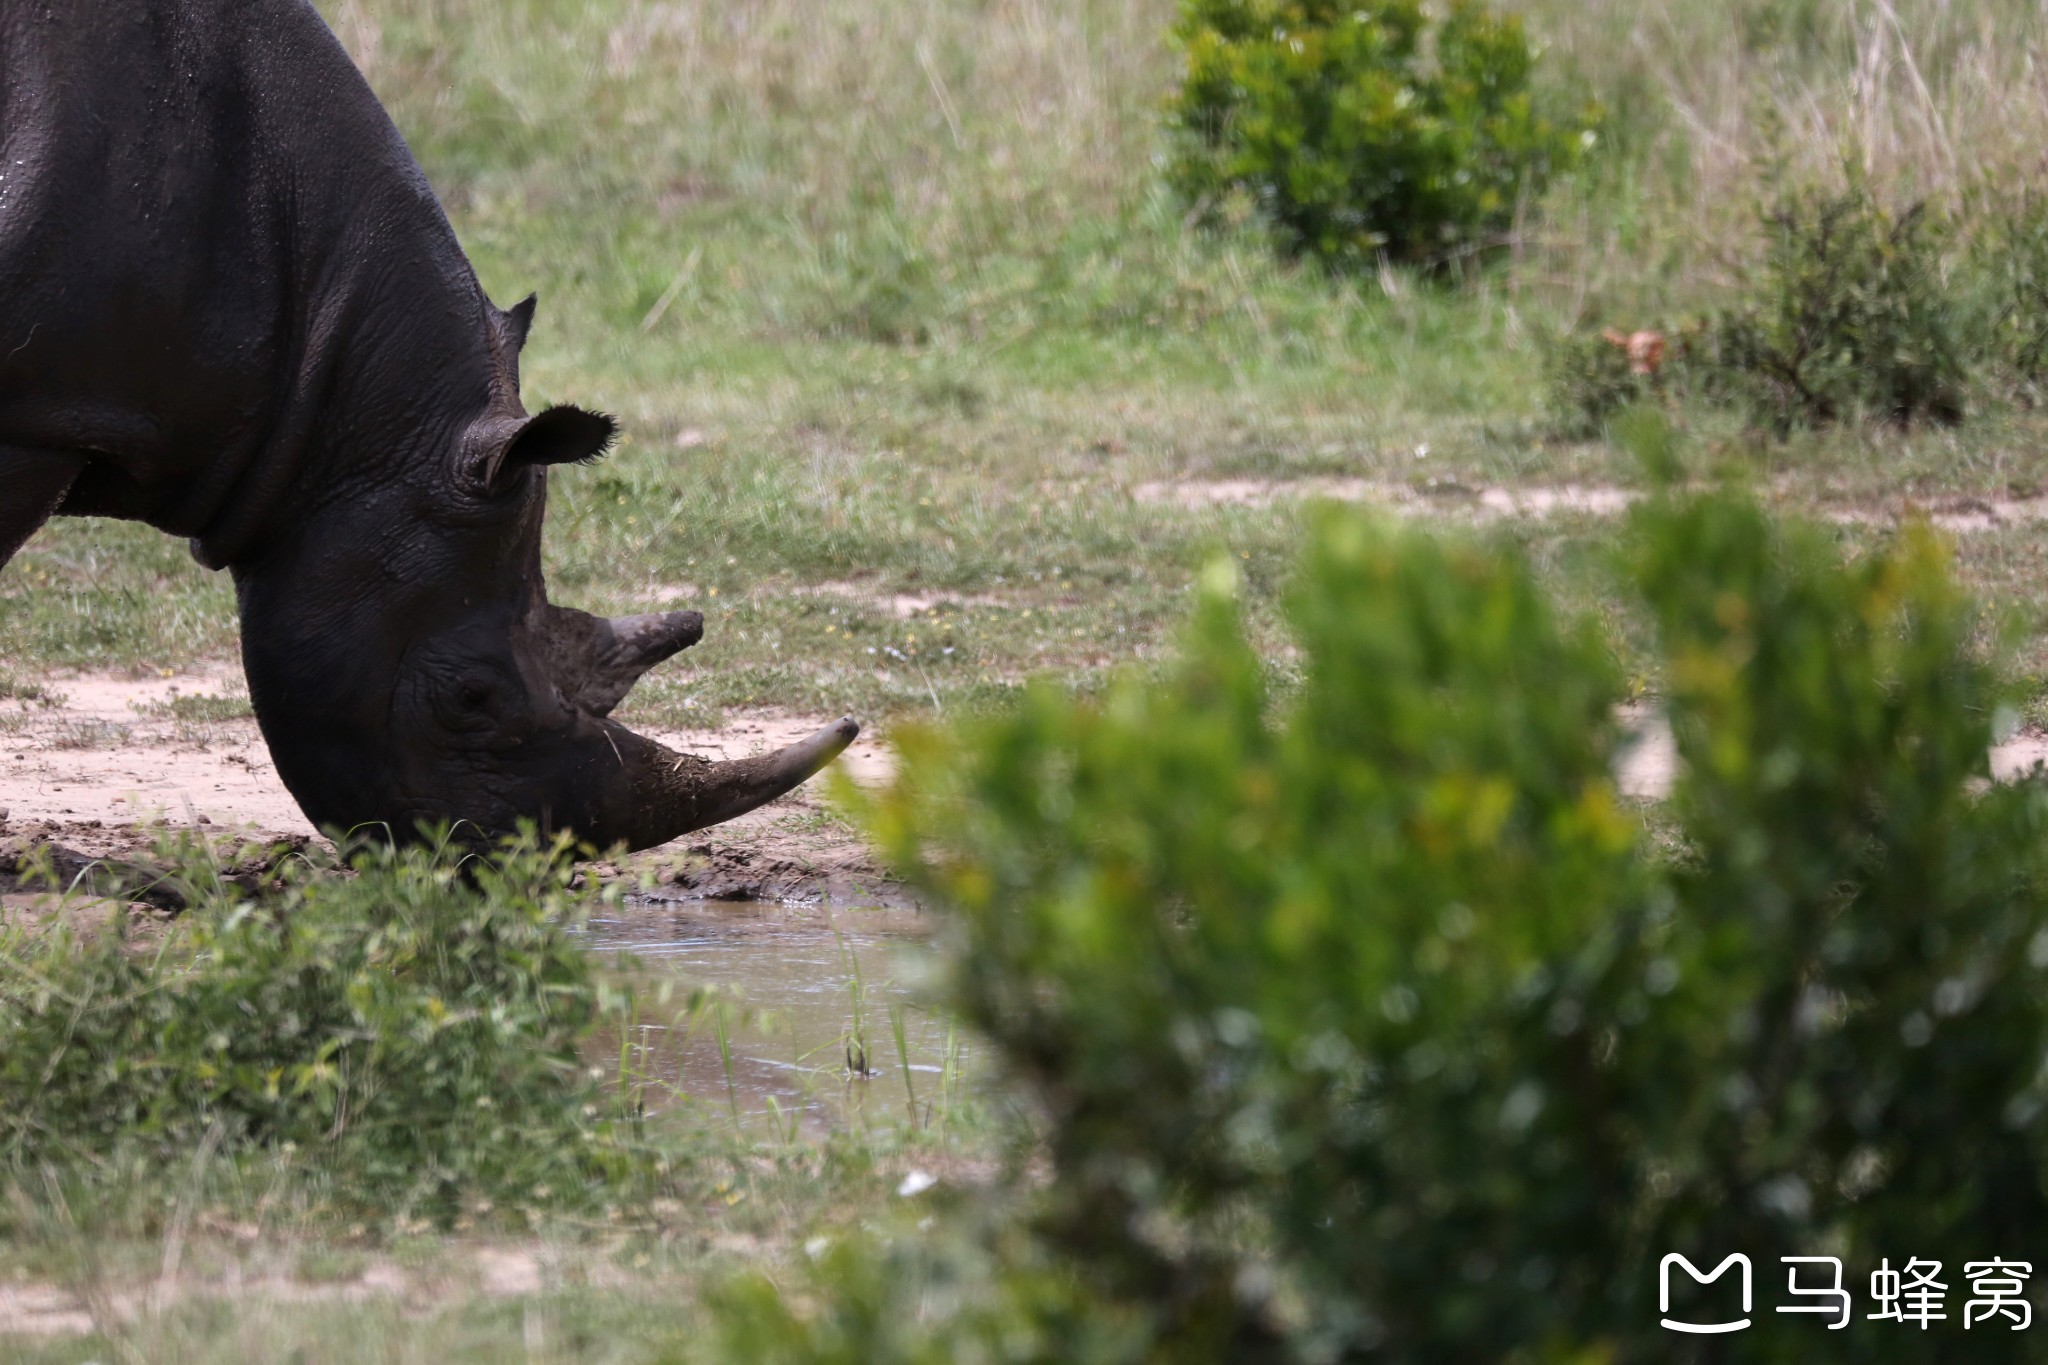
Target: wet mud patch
826 1020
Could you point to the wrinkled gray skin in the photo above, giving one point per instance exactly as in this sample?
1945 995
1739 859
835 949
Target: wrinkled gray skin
231 307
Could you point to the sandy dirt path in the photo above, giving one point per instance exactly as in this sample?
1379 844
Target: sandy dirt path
103 764
1450 500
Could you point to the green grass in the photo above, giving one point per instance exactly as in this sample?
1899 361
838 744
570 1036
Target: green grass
891 302
907 356
569 1324
258 1271
320 1111
203 709
899 322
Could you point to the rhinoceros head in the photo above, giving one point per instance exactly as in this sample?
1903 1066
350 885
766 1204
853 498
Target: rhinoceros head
408 669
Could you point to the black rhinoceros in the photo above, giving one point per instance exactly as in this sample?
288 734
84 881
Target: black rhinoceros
231 307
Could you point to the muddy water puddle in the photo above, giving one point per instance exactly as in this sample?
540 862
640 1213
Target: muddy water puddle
810 1019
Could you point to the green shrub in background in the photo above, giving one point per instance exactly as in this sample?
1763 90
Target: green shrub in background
1369 1023
1591 379
413 1028
1852 317
1363 130
1858 311
2011 261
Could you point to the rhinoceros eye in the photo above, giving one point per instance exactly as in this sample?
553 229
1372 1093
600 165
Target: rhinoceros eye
472 703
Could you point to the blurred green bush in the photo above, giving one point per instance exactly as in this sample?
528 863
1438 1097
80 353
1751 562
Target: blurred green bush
1369 1022
1358 131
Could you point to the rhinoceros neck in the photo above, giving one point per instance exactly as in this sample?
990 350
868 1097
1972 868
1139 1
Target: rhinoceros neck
230 288
389 368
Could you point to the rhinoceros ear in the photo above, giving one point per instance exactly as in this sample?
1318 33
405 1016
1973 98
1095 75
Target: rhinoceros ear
559 435
519 320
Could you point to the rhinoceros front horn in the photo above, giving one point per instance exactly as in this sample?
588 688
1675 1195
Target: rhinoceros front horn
669 794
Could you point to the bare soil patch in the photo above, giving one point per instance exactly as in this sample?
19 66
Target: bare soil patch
1453 500
102 765
41 1310
1958 516
904 606
1446 498
151 767
260 1271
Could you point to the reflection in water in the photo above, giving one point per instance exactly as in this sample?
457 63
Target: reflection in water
801 998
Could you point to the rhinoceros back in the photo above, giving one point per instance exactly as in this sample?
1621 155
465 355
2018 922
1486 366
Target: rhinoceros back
203 211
